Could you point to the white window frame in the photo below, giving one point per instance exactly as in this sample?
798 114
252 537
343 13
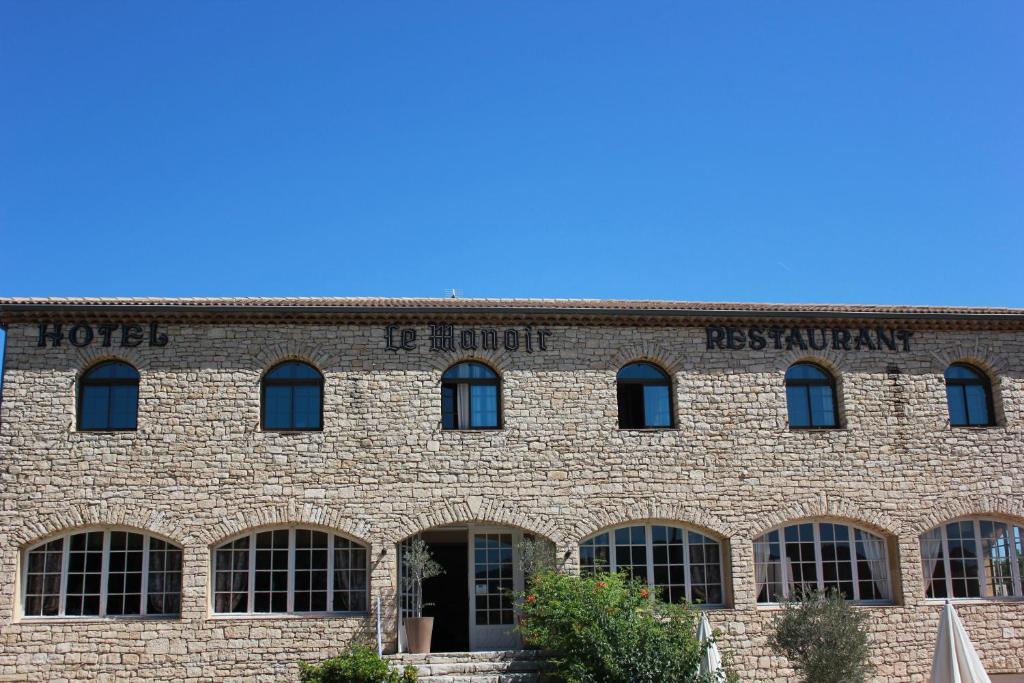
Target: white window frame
983 577
819 564
251 573
104 577
649 549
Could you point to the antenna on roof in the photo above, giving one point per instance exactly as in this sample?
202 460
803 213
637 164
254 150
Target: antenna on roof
453 293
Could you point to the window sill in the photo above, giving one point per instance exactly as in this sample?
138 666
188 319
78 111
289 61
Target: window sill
92 619
277 616
645 430
974 428
816 430
938 602
775 606
293 432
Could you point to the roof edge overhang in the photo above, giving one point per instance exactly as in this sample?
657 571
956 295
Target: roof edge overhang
681 314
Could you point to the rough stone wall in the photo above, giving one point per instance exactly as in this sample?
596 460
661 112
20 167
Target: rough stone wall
199 469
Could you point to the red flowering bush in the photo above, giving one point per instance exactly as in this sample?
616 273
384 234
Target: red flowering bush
609 630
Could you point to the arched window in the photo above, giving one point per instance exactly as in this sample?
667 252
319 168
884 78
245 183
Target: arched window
292 397
103 574
644 397
290 571
973 558
682 564
811 397
969 395
108 397
809 556
470 397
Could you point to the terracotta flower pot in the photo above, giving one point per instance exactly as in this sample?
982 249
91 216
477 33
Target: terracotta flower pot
418 631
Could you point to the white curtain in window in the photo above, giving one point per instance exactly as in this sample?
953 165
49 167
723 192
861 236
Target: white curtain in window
787 575
762 551
875 553
931 550
462 404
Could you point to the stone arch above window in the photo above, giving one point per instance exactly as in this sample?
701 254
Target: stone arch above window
679 563
974 557
102 572
290 570
812 555
470 397
291 397
108 397
644 393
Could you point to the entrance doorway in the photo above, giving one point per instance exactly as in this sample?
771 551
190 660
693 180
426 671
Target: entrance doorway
473 601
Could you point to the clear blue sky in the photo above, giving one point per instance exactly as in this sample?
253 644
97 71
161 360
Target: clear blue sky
766 151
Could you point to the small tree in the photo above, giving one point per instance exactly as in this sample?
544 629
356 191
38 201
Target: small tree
420 564
536 555
824 637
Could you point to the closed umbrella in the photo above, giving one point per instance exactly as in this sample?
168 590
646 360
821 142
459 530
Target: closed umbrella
711 662
955 660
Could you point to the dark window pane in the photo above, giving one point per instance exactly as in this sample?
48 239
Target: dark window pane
469 371
124 401
642 371
798 405
656 406
483 403
631 406
806 371
822 407
448 413
277 407
977 404
307 407
957 402
962 372
294 370
95 407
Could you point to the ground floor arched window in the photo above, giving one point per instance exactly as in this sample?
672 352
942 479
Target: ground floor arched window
682 564
103 573
819 556
290 571
974 558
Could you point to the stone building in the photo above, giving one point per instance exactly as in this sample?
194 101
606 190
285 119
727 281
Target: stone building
215 489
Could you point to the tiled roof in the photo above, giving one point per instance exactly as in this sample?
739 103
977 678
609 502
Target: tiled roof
566 306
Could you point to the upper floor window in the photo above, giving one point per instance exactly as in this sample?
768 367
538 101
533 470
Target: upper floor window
290 571
108 397
644 392
103 574
293 397
969 395
811 397
798 558
680 563
470 397
973 558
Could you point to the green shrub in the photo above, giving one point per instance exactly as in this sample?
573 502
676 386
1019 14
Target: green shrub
608 629
824 638
360 665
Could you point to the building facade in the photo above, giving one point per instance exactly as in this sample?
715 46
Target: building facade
213 490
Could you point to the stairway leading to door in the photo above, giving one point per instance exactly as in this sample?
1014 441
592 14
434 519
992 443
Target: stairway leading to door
503 666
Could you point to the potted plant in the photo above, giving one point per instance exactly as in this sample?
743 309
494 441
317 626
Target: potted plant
420 565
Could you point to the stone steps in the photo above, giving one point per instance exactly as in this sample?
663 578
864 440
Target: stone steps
475 667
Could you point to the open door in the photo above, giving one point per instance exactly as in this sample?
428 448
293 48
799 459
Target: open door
494 579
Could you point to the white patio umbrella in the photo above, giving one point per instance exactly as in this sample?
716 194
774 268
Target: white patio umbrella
955 660
711 662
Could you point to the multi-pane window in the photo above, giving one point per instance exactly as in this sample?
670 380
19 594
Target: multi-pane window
821 556
292 397
470 397
969 396
108 398
680 564
493 578
644 397
973 558
290 571
103 573
811 397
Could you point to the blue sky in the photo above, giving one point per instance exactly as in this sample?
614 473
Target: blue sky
790 152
